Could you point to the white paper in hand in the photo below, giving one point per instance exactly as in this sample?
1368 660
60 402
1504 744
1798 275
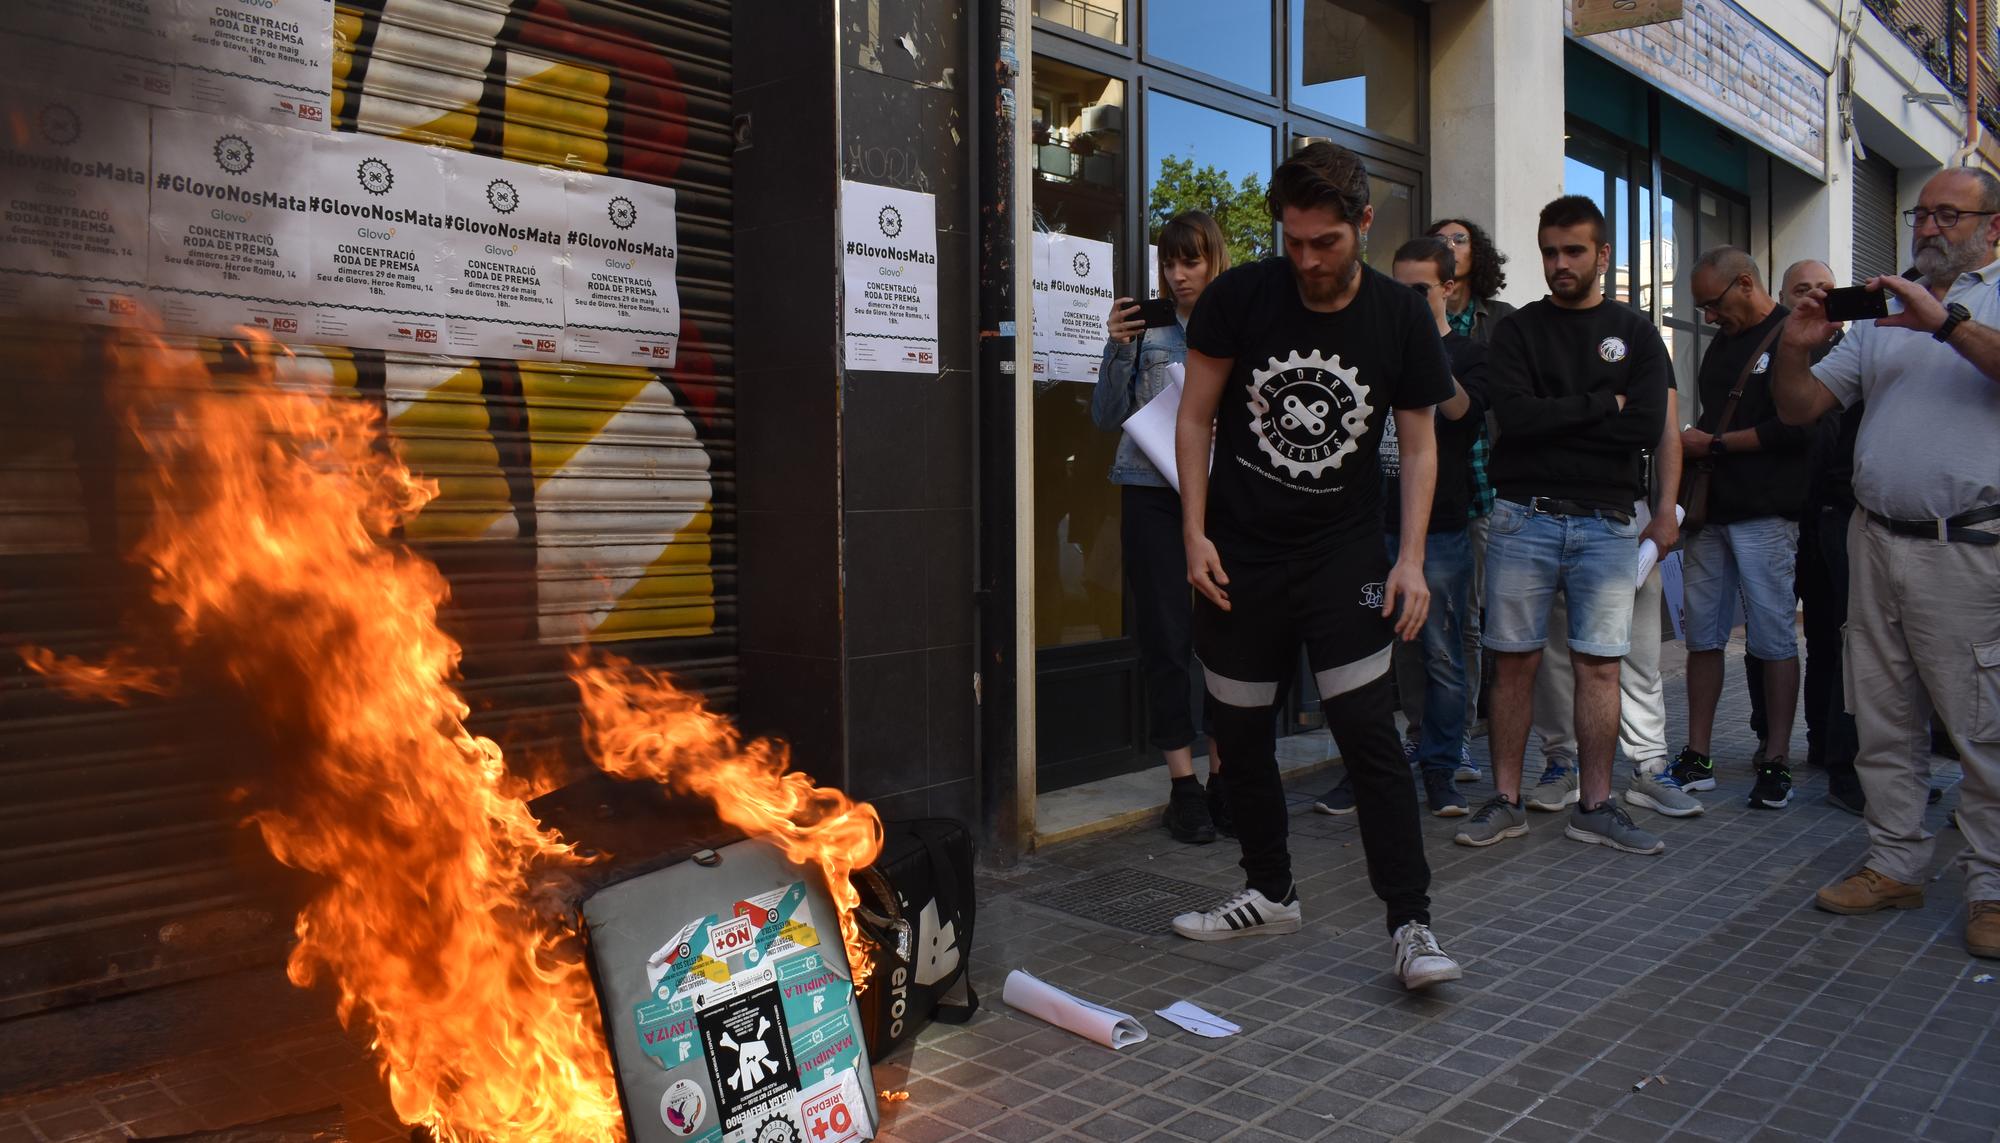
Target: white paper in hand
1107 1026
1649 552
1152 428
1198 1020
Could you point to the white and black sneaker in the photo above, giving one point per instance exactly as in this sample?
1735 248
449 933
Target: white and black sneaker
1420 962
1248 914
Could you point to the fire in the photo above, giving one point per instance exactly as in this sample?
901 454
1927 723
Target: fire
638 724
438 920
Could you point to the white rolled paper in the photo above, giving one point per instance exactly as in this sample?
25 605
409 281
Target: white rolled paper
1649 552
1152 427
1107 1026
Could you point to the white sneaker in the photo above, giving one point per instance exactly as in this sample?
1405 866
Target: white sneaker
1248 914
1420 963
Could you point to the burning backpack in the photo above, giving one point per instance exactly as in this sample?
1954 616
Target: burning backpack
917 907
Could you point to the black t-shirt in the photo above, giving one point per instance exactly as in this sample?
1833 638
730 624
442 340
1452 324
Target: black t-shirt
1554 375
1771 481
1296 472
1455 439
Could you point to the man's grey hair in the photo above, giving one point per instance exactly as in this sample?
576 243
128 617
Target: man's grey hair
1730 262
1989 186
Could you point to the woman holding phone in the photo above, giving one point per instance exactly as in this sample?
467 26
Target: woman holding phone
1138 348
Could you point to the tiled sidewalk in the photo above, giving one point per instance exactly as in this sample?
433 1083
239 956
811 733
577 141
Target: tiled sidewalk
1586 972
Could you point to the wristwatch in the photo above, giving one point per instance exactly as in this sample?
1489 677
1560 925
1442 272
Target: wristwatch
1717 446
1953 314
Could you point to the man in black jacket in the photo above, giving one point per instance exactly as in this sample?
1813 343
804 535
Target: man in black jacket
1579 390
1749 546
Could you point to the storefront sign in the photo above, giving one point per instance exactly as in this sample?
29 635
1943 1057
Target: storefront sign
889 272
621 305
1589 17
1073 298
73 227
1726 65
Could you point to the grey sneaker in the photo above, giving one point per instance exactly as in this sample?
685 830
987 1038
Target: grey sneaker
1420 962
1609 825
1660 793
1496 819
1556 791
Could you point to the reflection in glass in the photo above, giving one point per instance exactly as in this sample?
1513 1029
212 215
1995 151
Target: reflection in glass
1202 159
1395 219
1193 33
1104 19
1356 60
1079 189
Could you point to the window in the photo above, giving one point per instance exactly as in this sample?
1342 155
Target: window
1236 49
1198 158
1356 60
1104 19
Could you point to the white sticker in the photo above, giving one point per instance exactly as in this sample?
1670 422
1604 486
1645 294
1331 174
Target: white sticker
621 305
889 271
683 1107
231 236
502 264
269 61
73 232
1072 300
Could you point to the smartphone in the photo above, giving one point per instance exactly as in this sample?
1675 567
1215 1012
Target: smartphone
1855 303
1158 312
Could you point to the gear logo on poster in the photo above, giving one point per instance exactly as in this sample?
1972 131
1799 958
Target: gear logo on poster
622 213
501 196
1081 264
889 221
375 176
60 124
1308 413
234 154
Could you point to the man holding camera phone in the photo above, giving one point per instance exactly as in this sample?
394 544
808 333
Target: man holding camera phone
1924 549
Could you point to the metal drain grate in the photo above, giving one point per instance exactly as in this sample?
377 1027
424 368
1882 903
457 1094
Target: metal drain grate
1129 899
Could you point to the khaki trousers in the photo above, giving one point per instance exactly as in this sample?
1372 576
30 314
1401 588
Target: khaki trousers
1923 631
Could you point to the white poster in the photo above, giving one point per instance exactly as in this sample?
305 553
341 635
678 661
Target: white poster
270 61
620 304
889 267
231 233
1072 300
118 48
502 258
377 243
73 221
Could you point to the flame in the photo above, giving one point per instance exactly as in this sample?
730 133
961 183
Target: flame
439 917
638 724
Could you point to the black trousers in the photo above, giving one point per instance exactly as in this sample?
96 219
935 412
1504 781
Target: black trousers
1331 605
1163 610
1823 586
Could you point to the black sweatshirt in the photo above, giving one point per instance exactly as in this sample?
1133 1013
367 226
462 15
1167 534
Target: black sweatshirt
1772 480
1555 375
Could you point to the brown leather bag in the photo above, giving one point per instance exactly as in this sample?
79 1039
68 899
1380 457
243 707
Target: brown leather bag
1696 477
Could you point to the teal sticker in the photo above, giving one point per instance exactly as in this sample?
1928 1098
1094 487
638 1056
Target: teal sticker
667 1031
810 988
826 1049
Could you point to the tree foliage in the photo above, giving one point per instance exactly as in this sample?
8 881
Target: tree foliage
1238 207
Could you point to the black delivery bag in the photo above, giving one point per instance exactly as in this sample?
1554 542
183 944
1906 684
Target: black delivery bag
917 907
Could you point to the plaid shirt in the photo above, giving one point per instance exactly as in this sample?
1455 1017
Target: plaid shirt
1482 489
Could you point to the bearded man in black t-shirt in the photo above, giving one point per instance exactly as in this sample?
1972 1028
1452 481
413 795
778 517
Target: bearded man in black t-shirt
1294 366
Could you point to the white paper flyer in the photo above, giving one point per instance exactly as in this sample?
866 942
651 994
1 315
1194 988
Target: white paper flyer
620 305
377 243
117 48
232 224
502 258
270 61
1073 298
73 232
889 270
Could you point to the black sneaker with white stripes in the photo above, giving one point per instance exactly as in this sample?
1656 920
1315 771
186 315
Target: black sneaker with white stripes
1248 914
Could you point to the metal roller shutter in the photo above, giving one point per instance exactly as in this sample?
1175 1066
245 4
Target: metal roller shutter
578 502
1874 219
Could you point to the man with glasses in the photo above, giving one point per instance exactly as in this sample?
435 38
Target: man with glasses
1749 545
1923 622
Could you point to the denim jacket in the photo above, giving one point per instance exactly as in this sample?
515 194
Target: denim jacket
1122 390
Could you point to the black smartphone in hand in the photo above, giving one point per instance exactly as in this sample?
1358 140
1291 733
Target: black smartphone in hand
1855 303
1157 312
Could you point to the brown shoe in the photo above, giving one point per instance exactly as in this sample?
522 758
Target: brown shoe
1982 929
1870 892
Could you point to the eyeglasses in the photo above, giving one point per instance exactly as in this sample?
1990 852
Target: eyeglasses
1709 305
1946 216
1455 239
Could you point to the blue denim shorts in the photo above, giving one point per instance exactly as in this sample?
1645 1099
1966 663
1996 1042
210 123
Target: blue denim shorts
1532 555
1756 560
